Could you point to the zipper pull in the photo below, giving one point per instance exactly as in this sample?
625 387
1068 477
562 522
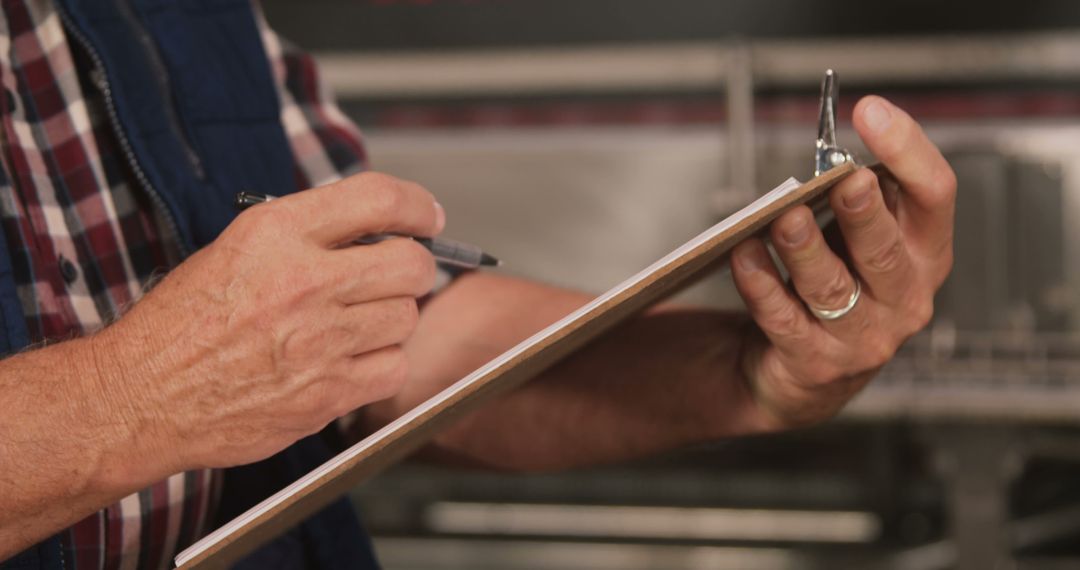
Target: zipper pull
97 77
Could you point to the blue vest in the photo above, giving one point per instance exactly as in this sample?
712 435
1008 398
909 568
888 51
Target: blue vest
196 108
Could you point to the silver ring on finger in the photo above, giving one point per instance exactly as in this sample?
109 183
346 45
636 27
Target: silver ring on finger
833 314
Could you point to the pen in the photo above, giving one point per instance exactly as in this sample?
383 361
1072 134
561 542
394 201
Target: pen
458 254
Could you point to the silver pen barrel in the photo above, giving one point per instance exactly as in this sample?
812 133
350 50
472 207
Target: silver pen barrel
447 251
462 255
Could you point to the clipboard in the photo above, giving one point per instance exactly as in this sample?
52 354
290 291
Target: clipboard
679 269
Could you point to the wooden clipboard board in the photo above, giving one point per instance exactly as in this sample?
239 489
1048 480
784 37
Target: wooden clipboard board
389 445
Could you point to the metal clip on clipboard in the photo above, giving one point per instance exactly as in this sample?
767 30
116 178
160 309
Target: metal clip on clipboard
828 154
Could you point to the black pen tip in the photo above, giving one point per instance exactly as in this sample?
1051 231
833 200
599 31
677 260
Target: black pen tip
489 261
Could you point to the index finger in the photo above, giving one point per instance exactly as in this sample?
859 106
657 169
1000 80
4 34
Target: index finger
365 204
928 182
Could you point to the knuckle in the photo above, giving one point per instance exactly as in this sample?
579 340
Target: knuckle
392 378
252 225
943 185
384 195
340 404
423 270
828 373
398 373
407 313
371 180
920 315
786 321
945 179
417 256
861 220
877 351
242 231
314 406
428 278
391 200
834 293
886 257
418 267
274 216
337 280
946 259
339 407
755 290
295 286
291 346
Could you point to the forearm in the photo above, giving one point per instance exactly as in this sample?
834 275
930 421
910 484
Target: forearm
66 449
665 379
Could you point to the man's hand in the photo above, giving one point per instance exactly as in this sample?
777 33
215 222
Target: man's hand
273 330
898 236
258 340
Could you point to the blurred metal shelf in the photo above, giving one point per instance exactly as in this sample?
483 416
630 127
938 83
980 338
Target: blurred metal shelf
637 68
488 554
494 24
1031 378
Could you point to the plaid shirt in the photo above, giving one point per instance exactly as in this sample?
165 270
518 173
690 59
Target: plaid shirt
85 240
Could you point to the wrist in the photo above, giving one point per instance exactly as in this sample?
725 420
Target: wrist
127 420
779 400
758 413
725 400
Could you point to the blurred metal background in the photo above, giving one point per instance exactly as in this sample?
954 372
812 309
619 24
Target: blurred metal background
581 139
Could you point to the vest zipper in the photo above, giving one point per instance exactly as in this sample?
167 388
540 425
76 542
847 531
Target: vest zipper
99 76
164 86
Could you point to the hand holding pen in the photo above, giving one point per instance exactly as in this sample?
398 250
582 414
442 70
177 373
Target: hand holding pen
264 335
458 254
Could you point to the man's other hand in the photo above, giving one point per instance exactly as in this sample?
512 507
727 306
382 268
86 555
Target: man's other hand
274 330
898 234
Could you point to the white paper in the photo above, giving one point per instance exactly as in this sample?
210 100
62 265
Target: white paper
311 478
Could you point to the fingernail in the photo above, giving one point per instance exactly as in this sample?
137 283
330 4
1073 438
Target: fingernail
877 115
797 231
856 199
440 217
751 259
